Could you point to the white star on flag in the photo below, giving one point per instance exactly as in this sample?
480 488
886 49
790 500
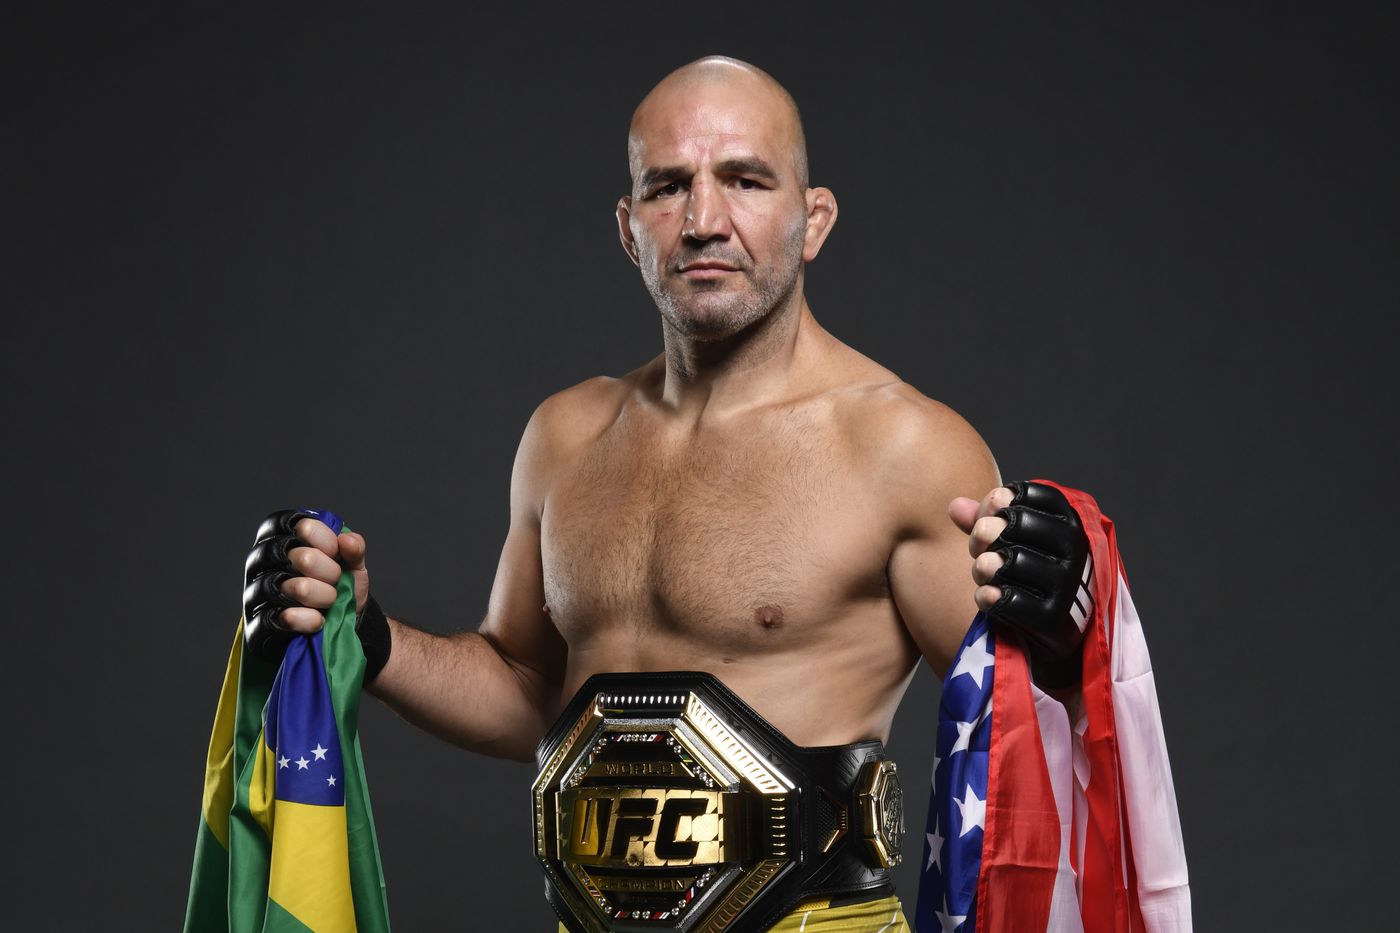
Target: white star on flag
964 736
283 761
974 661
974 812
319 752
935 850
331 780
302 763
950 922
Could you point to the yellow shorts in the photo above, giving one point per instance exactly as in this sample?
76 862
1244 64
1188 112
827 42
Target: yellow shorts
882 916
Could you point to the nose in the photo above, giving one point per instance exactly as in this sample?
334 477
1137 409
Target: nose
707 214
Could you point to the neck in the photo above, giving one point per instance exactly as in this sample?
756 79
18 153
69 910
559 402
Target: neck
753 366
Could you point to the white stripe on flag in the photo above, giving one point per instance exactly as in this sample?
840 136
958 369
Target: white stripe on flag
1081 786
1057 741
1159 855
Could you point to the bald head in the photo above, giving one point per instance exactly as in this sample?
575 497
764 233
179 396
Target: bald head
675 98
721 220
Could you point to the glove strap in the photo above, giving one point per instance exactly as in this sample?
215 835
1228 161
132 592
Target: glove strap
375 639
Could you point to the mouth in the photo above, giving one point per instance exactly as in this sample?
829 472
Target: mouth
706 269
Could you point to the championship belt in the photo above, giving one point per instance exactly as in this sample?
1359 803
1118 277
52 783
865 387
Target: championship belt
664 803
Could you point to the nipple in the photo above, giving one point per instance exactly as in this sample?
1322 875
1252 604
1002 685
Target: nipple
770 617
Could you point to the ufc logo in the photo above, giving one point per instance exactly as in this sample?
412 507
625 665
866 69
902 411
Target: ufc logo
609 823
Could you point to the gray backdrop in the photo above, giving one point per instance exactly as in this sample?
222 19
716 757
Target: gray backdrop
334 255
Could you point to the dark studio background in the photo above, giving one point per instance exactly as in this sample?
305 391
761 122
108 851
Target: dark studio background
336 256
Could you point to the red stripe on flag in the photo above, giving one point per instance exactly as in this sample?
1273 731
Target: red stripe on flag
1105 902
1021 838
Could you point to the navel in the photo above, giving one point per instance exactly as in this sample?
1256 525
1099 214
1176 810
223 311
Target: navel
770 617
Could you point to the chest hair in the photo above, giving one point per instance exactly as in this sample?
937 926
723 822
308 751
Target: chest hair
723 538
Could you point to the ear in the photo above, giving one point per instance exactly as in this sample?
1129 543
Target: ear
624 228
821 217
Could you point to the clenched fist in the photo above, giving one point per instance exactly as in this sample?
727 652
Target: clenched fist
1031 564
290 576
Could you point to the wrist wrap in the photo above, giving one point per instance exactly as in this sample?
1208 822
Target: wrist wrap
375 639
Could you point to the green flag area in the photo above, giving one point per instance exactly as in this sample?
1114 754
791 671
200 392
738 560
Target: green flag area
286 838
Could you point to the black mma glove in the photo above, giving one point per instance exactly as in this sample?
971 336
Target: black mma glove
1044 593
268 566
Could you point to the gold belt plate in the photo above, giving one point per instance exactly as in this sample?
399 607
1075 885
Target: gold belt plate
654 814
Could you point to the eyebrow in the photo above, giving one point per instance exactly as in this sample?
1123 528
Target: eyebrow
749 165
667 174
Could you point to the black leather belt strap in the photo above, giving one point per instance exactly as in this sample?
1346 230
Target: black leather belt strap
637 764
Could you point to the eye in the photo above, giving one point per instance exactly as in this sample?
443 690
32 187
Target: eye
667 191
748 184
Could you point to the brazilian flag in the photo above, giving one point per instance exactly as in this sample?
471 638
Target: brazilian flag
286 838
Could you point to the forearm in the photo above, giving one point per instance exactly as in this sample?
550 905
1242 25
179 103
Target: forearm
461 689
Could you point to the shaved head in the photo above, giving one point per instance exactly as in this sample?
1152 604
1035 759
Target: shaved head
719 71
721 218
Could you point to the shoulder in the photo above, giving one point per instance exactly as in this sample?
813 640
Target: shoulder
898 423
917 451
911 447
564 425
580 412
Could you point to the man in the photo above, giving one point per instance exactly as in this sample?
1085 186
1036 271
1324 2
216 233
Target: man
760 502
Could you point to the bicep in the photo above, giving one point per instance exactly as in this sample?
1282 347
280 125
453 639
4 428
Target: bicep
939 458
516 622
931 581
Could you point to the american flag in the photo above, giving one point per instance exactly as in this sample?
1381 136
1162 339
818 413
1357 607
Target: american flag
1048 815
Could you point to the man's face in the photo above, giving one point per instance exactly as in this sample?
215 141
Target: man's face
717 215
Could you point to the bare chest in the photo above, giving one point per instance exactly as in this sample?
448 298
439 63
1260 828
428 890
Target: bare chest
737 542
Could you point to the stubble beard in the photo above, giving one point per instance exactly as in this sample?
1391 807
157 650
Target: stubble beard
709 311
